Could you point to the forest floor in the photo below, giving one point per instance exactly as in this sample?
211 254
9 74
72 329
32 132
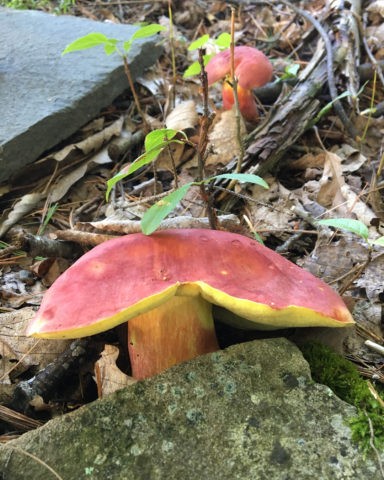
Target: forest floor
318 144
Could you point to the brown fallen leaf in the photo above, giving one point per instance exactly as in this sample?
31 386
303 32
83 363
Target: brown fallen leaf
18 352
109 378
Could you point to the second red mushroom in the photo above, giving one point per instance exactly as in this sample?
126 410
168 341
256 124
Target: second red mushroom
252 70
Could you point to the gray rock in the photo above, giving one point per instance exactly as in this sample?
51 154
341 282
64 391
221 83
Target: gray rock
46 97
248 412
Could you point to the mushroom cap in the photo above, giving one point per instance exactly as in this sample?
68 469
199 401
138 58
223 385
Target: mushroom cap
252 67
130 275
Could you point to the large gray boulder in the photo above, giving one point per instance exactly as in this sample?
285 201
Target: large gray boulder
46 97
245 413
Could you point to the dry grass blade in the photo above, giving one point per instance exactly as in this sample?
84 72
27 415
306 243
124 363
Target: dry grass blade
18 420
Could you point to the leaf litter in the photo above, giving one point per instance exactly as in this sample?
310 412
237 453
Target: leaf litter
313 173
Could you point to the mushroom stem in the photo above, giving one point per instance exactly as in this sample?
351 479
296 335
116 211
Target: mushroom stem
178 330
247 102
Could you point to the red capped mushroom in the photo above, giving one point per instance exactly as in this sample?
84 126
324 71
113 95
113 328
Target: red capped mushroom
252 70
165 284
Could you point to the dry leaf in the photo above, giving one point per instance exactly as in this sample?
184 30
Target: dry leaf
25 205
109 377
329 194
309 160
61 186
170 157
358 208
376 11
223 140
351 158
183 116
92 143
16 347
271 209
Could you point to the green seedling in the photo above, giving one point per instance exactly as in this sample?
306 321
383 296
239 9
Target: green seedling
112 45
155 142
290 71
156 214
348 224
354 226
47 217
223 41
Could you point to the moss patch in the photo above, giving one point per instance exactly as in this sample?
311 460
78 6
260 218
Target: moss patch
333 370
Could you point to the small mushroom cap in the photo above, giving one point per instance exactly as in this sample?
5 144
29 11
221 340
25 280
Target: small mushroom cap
252 67
130 275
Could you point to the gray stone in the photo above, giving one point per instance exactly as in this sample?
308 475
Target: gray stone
248 412
46 97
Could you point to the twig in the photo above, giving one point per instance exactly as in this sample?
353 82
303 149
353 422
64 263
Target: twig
330 61
227 222
36 246
201 151
13 448
18 420
373 446
84 238
134 93
45 382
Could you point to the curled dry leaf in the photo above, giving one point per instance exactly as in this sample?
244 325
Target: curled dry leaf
376 11
63 184
109 377
223 139
183 116
92 143
332 180
358 208
25 205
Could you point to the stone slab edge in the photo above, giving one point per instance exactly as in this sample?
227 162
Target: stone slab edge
46 97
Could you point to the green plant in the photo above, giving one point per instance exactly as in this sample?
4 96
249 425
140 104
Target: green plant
343 378
354 226
155 142
290 71
112 45
223 41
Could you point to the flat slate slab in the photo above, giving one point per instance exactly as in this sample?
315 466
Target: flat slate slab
46 97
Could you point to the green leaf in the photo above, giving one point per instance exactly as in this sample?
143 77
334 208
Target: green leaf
243 177
327 108
199 42
348 224
110 47
127 45
112 182
147 31
156 214
195 68
158 137
88 41
143 32
223 40
154 143
379 241
290 71
147 157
